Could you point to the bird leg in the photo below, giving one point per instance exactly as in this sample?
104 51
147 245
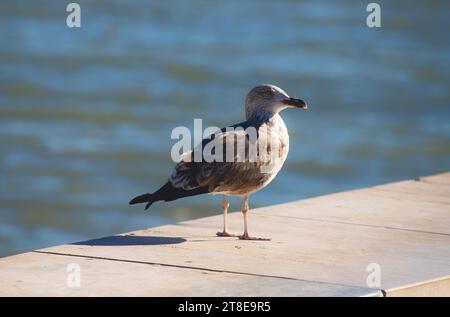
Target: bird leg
225 232
245 236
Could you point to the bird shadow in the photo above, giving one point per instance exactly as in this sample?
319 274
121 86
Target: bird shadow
131 240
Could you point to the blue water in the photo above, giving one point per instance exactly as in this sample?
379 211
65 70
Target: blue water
86 114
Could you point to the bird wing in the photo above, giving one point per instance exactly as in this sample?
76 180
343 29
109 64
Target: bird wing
235 172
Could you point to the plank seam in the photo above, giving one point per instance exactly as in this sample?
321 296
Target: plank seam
200 269
353 223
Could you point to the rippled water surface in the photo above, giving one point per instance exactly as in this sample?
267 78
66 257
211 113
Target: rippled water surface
86 114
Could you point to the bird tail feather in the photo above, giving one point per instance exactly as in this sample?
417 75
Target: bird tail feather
145 198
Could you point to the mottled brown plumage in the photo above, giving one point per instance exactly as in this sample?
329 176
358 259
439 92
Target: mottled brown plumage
239 172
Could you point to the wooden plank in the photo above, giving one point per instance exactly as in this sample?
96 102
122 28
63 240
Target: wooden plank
371 208
300 249
439 287
425 191
321 246
37 274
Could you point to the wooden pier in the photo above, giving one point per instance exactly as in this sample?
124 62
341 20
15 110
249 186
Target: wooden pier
387 240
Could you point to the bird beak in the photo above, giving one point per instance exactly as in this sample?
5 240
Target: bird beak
294 102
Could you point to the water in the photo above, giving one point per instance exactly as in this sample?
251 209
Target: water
86 114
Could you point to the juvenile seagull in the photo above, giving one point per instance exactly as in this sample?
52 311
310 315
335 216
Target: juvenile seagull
244 174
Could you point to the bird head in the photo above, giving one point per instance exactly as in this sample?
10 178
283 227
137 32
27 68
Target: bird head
270 99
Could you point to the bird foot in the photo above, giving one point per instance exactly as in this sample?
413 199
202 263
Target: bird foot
245 236
226 234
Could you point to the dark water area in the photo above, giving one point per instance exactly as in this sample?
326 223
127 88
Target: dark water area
86 114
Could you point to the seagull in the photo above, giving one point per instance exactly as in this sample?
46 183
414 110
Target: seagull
241 174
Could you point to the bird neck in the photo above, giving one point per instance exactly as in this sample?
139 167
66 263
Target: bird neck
261 117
